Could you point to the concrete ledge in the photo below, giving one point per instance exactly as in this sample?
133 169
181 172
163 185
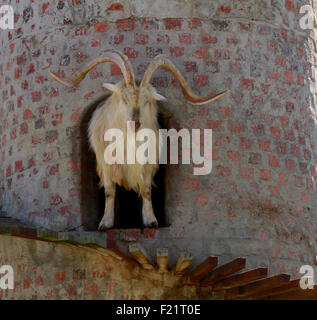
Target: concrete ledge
103 239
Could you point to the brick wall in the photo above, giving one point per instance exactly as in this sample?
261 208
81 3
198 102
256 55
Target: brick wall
260 199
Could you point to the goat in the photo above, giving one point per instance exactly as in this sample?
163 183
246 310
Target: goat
129 102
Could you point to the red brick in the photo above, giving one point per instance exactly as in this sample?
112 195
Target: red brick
36 96
76 114
258 129
233 156
289 106
282 178
265 175
201 52
304 197
289 135
202 80
173 24
116 7
201 200
116 39
245 143
19 166
17 73
9 171
95 43
275 191
13 133
26 283
126 25
177 51
274 75
191 66
289 164
222 171
54 93
275 104
81 31
213 124
24 128
301 139
206 38
190 184
300 80
298 181
271 46
131 53
225 9
140 38
60 276
236 127
227 112
247 173
100 26
284 121
195 23
185 38
39 281
265 145
24 84
265 87
281 61
115 70
27 114
289 77
294 149
289 5
222 141
245 26
274 161
281 147
275 132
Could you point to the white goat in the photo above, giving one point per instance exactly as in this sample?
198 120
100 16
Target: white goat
129 103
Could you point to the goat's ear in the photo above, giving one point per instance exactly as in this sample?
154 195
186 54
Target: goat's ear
111 87
158 97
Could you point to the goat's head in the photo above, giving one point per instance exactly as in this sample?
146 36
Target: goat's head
137 98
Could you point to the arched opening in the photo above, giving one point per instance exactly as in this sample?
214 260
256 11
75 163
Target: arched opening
128 205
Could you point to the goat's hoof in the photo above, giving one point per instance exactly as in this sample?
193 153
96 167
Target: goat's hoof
151 224
103 226
154 224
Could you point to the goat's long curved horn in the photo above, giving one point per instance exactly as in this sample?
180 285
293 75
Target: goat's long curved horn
127 64
163 62
109 56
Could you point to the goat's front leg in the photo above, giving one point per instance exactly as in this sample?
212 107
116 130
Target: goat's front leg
110 191
148 216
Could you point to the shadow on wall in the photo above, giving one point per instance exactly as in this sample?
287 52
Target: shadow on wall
92 197
128 205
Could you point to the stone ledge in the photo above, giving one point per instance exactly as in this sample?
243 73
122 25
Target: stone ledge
16 228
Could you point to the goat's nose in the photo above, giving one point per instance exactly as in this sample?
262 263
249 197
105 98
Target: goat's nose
137 125
136 118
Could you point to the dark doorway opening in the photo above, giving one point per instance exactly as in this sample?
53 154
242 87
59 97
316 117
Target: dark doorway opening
128 204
